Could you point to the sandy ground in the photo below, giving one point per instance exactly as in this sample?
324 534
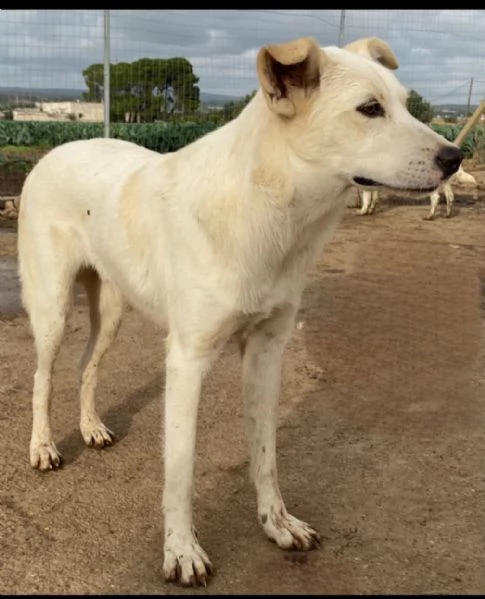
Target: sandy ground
381 437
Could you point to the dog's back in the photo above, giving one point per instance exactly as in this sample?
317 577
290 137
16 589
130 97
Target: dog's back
85 170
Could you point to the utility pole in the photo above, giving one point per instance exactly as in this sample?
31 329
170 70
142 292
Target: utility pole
341 28
469 97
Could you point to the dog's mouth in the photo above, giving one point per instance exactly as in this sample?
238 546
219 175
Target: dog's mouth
365 182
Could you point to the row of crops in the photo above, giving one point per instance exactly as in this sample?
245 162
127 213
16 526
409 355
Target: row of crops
474 141
161 137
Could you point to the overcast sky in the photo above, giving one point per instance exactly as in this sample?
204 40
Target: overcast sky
439 50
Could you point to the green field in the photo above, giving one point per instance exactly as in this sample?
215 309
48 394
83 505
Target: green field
23 142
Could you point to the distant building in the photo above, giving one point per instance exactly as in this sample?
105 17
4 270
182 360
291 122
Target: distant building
87 112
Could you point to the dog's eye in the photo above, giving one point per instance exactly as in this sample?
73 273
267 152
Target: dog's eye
371 109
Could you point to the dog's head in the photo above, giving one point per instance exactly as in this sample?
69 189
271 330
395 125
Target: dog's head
345 114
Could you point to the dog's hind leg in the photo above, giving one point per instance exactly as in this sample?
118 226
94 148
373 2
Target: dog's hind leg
366 202
261 383
450 196
105 310
47 273
373 202
435 200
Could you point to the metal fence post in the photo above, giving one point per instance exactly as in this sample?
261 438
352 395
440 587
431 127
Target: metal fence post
106 72
341 28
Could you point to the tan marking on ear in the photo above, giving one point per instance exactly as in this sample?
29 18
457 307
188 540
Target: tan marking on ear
286 69
376 49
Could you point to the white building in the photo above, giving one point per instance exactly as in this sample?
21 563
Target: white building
88 112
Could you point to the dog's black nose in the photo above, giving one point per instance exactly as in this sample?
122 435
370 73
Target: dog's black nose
449 159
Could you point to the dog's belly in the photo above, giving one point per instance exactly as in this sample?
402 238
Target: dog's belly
139 285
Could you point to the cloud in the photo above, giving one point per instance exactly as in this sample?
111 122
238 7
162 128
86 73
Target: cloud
439 50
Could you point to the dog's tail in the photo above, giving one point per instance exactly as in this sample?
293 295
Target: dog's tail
463 177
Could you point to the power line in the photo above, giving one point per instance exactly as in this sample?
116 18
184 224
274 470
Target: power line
448 93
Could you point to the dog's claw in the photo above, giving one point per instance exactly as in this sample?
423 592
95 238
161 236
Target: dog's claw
45 457
98 436
186 564
315 539
312 541
289 533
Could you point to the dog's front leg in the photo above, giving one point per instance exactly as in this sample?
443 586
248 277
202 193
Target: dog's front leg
261 383
185 561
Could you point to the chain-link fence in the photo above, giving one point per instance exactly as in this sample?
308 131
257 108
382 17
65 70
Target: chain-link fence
381 440
200 64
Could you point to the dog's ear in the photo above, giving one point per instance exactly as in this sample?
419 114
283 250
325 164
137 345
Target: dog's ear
374 48
288 72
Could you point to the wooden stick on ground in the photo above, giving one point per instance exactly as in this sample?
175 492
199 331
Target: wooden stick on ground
472 121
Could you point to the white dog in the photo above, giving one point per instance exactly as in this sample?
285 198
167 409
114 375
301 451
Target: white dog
212 242
370 198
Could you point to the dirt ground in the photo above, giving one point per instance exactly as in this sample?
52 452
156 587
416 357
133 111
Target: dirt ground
381 437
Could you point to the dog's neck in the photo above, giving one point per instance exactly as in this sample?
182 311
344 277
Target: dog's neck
289 199
281 216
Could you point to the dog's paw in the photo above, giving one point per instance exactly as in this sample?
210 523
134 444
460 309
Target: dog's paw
45 456
185 562
288 532
96 434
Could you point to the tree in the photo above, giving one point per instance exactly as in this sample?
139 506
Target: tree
419 107
145 90
93 78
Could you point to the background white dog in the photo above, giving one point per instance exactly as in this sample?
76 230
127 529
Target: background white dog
370 198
